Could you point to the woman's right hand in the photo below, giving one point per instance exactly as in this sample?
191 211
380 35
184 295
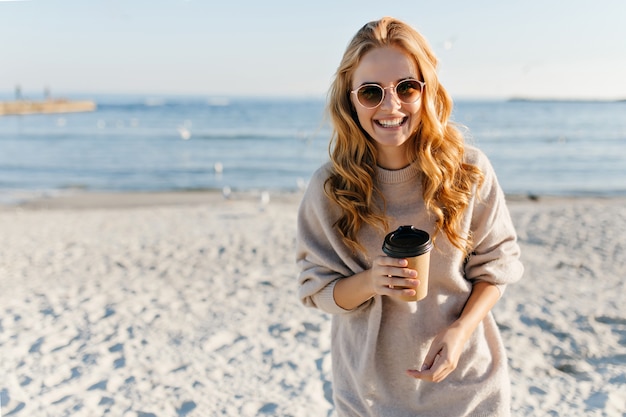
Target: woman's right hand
384 278
391 277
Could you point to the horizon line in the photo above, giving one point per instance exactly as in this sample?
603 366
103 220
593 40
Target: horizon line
7 95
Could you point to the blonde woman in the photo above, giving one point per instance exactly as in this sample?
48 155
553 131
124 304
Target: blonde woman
397 159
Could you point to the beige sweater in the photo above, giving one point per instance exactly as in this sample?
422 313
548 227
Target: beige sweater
374 344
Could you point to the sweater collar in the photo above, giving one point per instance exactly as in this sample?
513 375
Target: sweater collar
397 176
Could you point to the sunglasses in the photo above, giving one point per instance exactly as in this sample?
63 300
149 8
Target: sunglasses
371 95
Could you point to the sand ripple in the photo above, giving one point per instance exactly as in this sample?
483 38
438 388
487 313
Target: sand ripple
191 311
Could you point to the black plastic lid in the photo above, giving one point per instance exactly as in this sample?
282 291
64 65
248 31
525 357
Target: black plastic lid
406 242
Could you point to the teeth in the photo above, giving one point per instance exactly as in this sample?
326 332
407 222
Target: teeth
390 123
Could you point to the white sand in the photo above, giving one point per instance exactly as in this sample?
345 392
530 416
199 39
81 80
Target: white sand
190 309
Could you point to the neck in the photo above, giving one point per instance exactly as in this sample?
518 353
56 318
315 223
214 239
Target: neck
393 160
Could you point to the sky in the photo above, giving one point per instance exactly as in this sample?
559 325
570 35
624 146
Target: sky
488 49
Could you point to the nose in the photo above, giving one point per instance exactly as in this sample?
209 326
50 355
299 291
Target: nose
390 99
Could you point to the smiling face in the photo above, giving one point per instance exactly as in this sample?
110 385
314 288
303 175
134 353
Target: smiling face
392 123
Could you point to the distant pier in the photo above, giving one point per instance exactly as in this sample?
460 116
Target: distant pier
45 106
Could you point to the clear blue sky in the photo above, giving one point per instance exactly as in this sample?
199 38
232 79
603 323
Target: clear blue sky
487 48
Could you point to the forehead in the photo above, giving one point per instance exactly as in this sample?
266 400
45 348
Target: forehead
384 65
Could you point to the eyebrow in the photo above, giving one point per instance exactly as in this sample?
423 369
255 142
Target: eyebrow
396 83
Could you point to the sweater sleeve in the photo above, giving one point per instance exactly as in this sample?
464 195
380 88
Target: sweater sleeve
495 255
321 256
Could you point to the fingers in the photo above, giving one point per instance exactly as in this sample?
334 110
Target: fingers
436 372
443 356
431 358
391 277
393 286
386 261
393 267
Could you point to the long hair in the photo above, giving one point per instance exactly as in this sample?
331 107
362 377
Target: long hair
437 146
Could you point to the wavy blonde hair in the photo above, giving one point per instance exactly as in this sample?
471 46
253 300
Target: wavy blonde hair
437 145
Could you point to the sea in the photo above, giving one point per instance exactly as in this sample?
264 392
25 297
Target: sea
141 143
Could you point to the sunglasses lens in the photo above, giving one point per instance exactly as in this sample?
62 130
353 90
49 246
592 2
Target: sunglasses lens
409 91
370 95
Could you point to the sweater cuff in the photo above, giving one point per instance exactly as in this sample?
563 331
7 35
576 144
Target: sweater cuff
325 299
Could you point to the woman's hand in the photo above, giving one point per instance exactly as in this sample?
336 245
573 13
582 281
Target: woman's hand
443 356
445 351
387 276
391 277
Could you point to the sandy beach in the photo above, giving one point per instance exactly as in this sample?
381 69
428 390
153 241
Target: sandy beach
184 304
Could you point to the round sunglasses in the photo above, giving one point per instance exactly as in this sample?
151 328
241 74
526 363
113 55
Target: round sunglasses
371 95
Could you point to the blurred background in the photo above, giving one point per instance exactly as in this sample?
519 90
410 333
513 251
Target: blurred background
230 95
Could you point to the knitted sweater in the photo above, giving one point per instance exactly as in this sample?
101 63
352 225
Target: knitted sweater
374 344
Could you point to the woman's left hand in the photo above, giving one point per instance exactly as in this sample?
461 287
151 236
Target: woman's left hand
443 355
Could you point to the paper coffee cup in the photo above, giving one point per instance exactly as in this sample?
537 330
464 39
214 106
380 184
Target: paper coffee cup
414 245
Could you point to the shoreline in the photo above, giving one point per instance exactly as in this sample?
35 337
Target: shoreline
135 199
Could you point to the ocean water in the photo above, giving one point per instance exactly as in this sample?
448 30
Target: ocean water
552 148
190 143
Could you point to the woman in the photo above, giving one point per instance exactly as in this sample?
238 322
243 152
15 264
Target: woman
396 159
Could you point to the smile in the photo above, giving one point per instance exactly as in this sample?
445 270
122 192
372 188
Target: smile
389 123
